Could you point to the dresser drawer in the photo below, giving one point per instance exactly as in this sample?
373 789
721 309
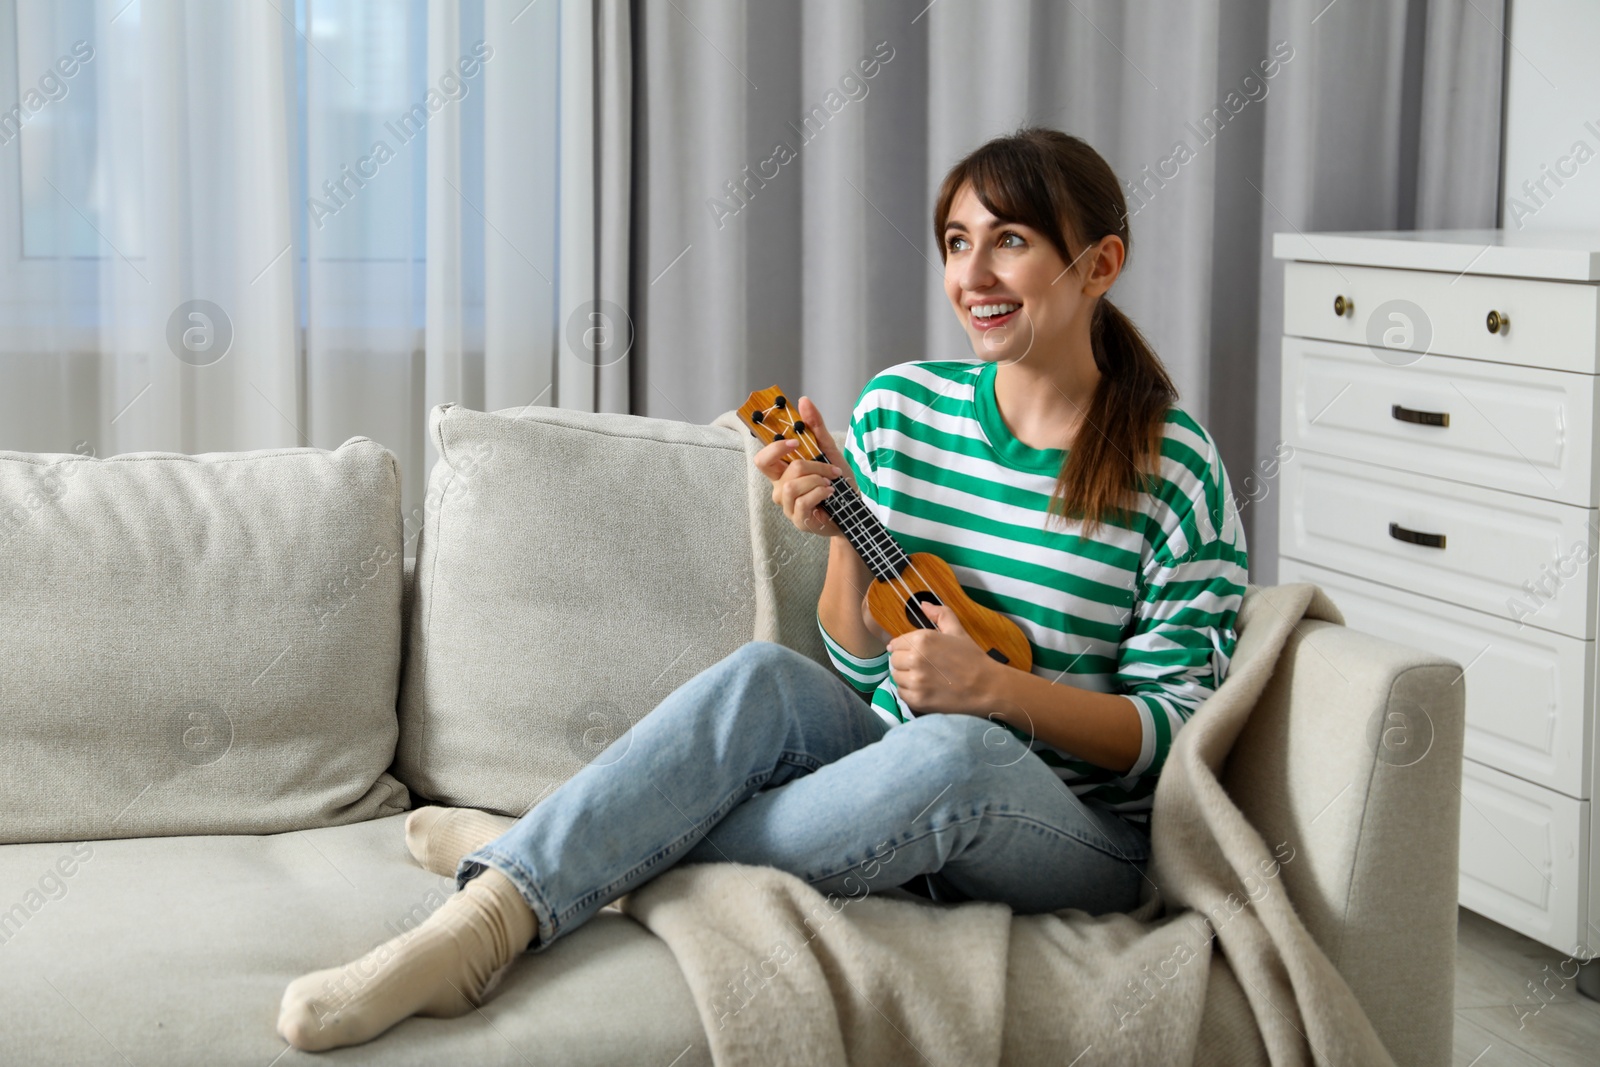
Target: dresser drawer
1528 690
1404 313
1356 518
1522 429
1524 853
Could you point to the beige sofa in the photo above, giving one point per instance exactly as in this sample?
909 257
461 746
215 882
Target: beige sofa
223 690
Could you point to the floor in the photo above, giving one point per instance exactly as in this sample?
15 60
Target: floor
1500 1020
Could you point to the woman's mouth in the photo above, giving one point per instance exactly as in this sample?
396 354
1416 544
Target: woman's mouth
989 316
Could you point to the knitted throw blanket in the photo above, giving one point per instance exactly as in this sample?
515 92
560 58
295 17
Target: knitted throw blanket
1213 967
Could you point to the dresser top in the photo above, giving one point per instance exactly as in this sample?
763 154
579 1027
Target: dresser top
1565 255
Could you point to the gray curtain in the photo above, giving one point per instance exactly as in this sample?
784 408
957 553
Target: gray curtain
596 184
781 230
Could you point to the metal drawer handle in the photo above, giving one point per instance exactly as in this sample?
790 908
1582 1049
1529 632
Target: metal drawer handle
1343 306
1400 533
1422 418
1498 322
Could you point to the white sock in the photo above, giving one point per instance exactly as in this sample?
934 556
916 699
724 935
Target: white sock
441 968
438 837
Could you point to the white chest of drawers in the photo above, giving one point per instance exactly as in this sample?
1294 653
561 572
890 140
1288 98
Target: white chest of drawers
1439 393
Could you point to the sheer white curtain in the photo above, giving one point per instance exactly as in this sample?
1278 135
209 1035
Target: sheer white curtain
152 177
272 223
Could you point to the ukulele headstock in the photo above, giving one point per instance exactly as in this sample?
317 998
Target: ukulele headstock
771 417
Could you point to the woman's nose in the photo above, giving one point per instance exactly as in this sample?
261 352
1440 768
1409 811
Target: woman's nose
976 272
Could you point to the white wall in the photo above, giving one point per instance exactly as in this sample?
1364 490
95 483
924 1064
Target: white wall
1552 132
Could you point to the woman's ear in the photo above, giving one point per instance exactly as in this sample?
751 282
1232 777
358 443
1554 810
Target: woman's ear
1105 263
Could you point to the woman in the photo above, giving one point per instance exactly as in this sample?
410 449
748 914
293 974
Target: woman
962 778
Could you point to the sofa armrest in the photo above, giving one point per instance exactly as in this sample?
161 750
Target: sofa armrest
1353 758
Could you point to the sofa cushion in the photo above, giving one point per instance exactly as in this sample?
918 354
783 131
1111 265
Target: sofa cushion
573 570
198 643
177 950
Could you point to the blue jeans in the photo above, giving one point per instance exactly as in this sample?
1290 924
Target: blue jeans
769 758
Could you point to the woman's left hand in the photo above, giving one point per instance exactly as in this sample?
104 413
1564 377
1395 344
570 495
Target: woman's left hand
942 671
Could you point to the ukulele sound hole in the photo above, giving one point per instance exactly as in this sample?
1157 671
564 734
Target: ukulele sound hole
914 610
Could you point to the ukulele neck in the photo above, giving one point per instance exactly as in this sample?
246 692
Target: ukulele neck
872 541
770 418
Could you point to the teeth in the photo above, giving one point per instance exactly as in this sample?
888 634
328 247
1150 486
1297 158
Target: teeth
985 311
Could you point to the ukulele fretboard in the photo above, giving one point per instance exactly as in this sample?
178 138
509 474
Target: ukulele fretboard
871 540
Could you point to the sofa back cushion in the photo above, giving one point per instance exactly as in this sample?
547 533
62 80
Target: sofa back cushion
573 570
198 644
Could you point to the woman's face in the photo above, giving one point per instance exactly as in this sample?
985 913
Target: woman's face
1014 270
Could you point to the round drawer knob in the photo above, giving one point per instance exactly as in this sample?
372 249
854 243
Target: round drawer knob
1498 322
1343 306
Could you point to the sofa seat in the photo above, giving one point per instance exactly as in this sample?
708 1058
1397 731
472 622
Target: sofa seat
177 950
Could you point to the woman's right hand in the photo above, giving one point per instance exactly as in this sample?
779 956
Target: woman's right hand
799 486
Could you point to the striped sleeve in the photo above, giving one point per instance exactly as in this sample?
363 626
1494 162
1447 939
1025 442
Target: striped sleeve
1182 637
864 675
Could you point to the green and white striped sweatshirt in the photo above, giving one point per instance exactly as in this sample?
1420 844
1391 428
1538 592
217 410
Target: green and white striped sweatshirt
1146 611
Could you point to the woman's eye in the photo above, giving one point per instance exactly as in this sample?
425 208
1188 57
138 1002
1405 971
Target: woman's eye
952 243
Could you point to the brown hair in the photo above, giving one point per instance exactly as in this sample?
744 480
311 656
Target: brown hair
1056 184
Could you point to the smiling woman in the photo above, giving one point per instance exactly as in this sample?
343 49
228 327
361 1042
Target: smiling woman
768 758
1067 419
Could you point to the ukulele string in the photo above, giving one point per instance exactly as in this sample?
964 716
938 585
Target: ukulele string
875 552
851 501
853 508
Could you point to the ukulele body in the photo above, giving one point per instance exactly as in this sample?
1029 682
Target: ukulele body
929 580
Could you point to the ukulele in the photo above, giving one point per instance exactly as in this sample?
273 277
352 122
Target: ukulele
902 582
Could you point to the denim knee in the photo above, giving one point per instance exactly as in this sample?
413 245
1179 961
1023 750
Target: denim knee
770 657
764 663
957 748
765 653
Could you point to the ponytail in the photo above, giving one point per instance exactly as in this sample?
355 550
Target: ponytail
1108 465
